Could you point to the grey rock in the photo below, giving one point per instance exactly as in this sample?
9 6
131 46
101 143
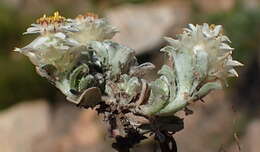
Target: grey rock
252 137
142 27
23 124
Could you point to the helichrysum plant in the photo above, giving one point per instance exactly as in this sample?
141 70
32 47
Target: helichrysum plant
78 57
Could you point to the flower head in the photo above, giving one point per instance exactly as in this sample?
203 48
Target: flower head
200 61
56 18
89 16
92 28
51 49
51 24
209 46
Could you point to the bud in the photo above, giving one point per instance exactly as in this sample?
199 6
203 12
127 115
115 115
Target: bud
201 62
51 24
92 28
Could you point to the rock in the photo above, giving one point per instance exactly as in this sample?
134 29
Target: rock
209 127
73 129
213 6
143 27
249 142
252 4
35 127
252 137
22 124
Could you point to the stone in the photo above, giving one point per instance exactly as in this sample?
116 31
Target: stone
21 124
252 4
143 27
73 129
209 127
252 137
213 6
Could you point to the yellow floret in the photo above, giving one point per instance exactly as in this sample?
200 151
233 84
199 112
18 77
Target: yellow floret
56 18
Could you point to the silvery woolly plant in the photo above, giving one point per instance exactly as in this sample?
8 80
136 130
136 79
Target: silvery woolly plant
78 57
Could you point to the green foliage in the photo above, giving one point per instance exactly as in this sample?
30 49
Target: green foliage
18 81
8 29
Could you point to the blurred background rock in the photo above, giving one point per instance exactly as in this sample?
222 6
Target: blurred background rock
34 116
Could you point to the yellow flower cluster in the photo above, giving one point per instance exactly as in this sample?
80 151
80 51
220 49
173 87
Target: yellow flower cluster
55 19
